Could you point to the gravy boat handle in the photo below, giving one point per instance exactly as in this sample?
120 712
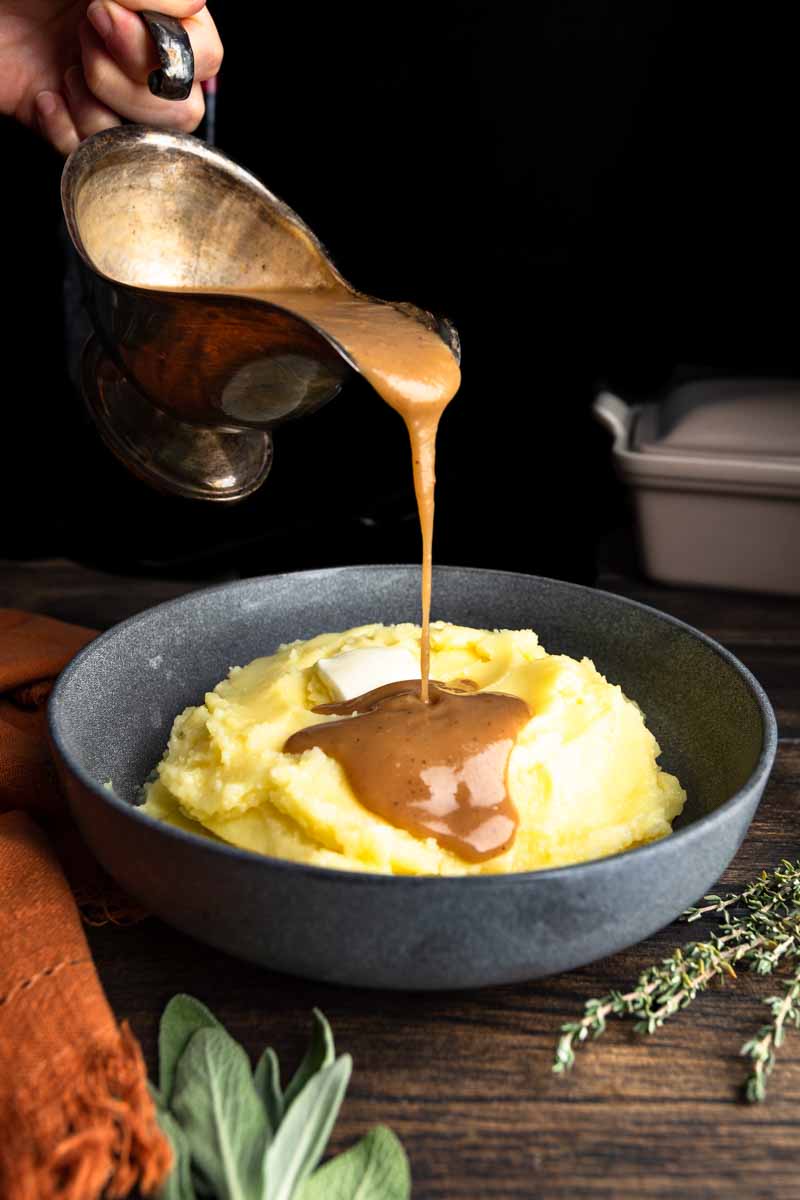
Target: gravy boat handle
174 79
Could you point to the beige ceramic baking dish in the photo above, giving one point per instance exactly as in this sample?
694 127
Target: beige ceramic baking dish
714 472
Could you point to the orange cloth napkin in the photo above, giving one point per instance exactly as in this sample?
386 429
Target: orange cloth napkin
76 1120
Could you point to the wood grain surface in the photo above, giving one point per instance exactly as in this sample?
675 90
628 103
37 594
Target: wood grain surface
464 1078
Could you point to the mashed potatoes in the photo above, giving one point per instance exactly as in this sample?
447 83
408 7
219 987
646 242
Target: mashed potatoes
583 772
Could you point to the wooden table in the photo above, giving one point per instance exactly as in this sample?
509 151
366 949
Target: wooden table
465 1078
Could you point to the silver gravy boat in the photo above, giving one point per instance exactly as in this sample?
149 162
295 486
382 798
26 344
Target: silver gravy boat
185 388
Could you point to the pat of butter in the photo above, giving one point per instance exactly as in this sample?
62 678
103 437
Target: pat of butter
354 672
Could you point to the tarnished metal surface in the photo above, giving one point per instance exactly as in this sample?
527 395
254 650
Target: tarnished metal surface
149 212
169 454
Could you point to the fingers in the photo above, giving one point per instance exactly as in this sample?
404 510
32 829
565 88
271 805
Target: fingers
115 90
55 122
65 120
127 40
173 8
117 56
88 114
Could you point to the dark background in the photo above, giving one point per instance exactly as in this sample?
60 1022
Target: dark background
592 192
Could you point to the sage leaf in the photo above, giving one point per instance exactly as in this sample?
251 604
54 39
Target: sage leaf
320 1053
304 1131
182 1017
178 1184
267 1079
376 1168
222 1116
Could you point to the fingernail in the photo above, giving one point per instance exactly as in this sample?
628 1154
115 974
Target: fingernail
100 17
71 78
46 103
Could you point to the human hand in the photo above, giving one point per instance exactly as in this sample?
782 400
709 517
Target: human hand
70 70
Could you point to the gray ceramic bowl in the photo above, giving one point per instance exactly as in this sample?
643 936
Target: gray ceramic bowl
112 708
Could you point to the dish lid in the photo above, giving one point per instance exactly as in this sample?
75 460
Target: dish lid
730 418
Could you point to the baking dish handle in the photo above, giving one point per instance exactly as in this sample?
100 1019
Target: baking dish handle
616 415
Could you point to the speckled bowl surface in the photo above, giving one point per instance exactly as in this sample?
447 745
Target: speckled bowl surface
112 708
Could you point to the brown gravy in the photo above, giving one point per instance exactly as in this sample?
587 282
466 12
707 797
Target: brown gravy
425 757
410 368
437 769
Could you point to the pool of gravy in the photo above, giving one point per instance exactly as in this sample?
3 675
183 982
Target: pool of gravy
437 769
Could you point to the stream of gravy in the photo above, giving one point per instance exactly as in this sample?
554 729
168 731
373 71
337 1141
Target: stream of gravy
412 370
427 757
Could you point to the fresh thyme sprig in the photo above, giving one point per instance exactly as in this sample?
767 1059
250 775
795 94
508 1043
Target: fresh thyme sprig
759 927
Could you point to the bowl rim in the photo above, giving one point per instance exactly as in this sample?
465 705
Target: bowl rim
699 828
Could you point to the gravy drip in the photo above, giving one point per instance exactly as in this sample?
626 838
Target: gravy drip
410 368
